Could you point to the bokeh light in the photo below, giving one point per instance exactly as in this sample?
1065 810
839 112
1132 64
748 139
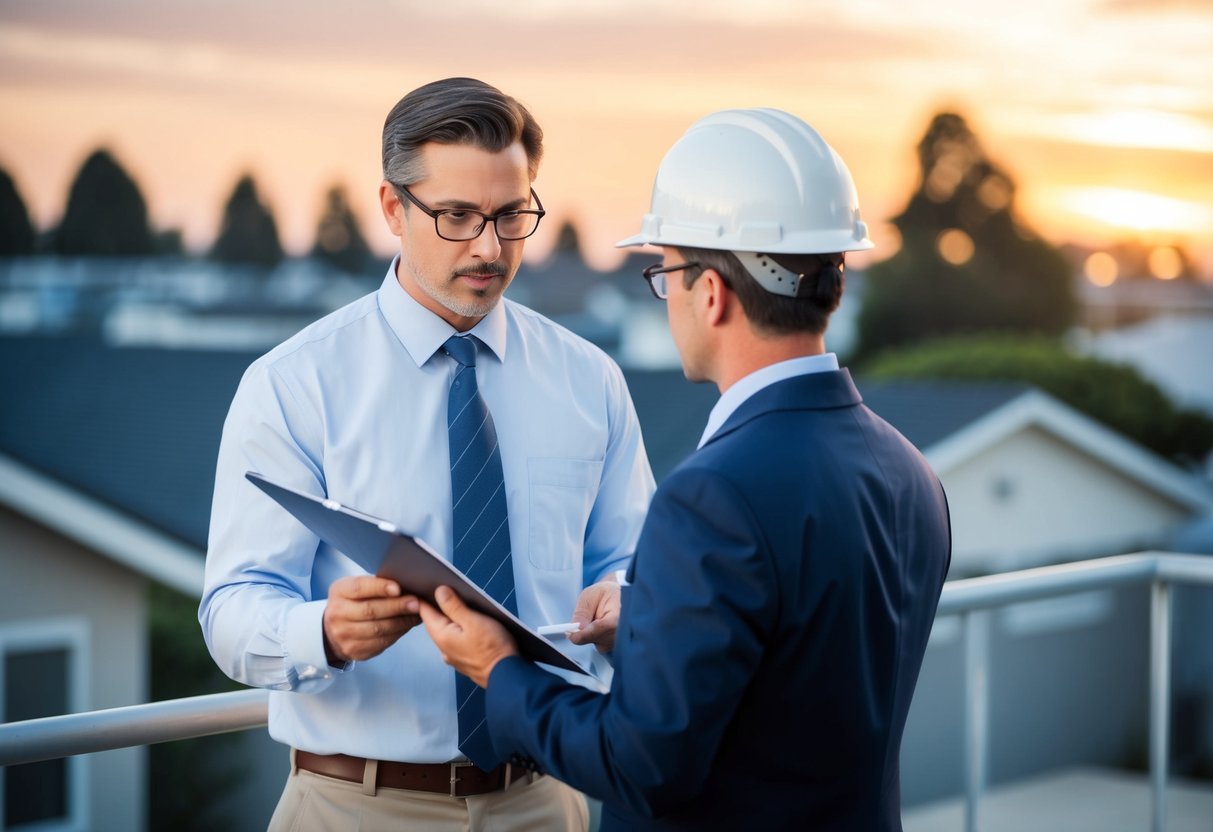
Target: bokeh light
1165 263
955 246
1101 268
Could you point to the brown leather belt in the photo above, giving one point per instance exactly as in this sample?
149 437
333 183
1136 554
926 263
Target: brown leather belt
455 779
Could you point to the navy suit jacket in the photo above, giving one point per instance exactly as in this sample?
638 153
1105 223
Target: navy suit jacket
781 597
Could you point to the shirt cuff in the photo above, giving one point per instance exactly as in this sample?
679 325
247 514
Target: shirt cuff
621 576
304 643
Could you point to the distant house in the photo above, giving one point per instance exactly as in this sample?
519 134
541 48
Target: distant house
1030 480
73 637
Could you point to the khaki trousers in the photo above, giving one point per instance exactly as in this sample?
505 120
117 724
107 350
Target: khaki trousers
315 803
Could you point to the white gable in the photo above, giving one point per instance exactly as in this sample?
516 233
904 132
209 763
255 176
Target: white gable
1036 482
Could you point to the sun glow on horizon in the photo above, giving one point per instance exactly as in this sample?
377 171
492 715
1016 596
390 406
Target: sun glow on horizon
1137 128
1100 111
1122 208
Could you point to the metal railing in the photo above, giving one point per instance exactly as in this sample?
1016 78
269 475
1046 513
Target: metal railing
971 599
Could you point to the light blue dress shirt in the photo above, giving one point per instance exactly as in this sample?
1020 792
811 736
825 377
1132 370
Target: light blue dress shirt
354 408
747 386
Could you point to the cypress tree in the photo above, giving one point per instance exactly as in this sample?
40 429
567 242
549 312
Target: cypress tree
16 230
105 214
339 240
248 234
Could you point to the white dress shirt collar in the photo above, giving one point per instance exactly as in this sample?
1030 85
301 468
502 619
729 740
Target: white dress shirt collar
747 386
422 332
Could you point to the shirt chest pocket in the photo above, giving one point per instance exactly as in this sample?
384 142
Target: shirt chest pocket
562 495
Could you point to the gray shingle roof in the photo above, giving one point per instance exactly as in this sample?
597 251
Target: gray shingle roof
139 428
928 411
135 428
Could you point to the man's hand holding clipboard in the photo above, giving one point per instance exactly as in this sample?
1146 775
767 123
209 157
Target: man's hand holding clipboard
387 553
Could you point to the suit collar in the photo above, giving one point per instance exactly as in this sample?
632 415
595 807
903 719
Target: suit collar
747 386
815 391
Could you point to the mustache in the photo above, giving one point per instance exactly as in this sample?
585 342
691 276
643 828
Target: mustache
480 270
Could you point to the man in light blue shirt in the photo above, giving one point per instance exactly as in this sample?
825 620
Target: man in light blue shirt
354 408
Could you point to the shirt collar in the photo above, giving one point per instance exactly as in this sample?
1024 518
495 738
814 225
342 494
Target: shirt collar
746 387
421 332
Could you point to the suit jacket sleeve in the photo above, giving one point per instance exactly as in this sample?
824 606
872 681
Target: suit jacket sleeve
692 630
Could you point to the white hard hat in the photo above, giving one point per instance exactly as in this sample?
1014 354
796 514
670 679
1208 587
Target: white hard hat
758 180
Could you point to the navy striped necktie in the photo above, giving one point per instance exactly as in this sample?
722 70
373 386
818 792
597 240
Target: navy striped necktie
480 524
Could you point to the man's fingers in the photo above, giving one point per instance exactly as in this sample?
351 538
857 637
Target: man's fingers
356 587
361 640
582 636
394 626
374 610
587 604
432 617
587 634
450 603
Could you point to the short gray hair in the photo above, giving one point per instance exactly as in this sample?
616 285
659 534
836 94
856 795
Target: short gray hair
455 111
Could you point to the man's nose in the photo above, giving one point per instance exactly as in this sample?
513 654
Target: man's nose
487 246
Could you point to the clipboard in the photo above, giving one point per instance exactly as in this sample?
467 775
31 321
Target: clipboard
382 549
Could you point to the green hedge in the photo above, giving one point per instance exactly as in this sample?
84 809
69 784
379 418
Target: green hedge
1114 394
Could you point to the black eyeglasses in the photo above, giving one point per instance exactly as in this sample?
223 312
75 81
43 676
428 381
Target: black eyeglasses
462 224
655 275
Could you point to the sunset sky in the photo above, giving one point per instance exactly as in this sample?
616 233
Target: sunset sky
1101 110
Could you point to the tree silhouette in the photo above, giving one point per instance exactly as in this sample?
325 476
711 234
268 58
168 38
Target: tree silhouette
105 214
249 234
339 240
966 263
16 231
567 239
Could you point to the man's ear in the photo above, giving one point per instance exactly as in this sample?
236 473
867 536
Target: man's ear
393 210
715 297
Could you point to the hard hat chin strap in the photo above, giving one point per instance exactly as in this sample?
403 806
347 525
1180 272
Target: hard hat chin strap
780 280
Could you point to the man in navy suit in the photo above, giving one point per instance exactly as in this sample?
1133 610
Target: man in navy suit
775 616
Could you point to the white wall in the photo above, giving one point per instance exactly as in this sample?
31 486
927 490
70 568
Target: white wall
1032 499
47 579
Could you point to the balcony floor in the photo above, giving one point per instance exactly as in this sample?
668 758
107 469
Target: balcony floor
1073 800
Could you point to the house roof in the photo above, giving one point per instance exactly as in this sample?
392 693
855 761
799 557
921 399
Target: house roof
132 434
135 429
927 412
672 413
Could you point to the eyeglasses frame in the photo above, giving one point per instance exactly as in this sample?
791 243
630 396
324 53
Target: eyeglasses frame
658 270
485 219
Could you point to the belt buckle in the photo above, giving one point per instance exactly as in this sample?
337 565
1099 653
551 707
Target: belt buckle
455 766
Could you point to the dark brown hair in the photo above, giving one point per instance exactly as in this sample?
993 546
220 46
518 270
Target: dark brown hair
766 311
455 111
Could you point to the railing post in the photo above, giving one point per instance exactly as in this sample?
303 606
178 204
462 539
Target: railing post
1160 698
977 663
